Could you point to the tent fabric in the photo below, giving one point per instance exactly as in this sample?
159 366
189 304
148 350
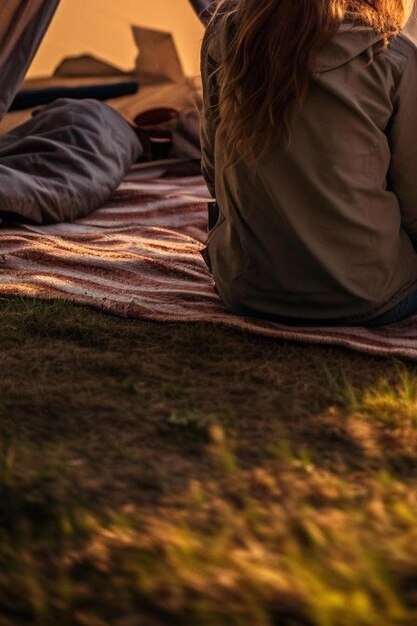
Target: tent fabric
139 257
15 16
23 24
202 8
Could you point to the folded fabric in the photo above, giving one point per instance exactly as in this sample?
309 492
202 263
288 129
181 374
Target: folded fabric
65 162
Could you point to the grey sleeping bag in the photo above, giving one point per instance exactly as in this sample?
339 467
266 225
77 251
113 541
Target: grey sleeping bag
65 162
68 159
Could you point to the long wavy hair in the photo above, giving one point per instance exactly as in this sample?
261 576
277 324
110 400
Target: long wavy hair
272 47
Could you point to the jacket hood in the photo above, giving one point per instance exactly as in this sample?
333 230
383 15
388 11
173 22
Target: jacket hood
350 41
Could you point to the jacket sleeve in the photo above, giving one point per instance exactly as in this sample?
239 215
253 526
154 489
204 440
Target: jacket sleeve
402 137
209 114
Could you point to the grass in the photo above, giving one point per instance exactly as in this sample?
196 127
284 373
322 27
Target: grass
153 475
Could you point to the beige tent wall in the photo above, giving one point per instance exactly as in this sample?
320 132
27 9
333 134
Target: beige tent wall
103 28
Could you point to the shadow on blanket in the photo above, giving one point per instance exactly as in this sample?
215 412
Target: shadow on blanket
139 256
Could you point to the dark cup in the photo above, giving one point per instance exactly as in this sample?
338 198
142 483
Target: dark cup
154 128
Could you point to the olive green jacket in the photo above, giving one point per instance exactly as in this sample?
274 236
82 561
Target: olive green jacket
327 230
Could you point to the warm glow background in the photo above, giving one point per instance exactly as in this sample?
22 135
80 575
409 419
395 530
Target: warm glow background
103 28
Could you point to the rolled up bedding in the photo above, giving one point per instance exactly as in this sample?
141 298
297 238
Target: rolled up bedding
65 162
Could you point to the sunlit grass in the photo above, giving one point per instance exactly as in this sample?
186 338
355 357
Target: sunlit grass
391 404
290 545
168 475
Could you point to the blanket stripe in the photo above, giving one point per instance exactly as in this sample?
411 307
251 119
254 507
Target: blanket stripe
140 257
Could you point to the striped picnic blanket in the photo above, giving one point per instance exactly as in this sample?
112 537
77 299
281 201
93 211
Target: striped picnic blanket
139 256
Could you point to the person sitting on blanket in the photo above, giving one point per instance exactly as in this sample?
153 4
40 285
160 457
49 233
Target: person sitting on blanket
310 152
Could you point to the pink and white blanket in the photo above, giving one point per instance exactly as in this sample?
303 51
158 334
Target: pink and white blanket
140 257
